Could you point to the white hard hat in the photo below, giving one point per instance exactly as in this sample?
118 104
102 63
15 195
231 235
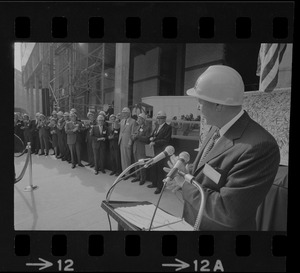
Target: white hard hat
219 84
126 110
90 114
100 117
142 115
161 114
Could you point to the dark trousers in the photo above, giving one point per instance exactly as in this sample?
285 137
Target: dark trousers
35 144
159 173
141 175
99 157
66 150
75 153
60 143
115 156
90 151
44 141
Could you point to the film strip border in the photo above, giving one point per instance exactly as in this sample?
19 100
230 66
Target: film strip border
169 26
158 251
148 22
139 22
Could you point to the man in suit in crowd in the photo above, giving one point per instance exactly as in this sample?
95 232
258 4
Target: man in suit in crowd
88 139
237 162
44 135
35 144
26 130
127 126
159 140
61 126
114 149
99 134
140 138
73 128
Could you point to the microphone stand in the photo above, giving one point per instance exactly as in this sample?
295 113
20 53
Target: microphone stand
156 206
190 179
120 177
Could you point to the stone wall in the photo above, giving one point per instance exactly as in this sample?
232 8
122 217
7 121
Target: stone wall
272 111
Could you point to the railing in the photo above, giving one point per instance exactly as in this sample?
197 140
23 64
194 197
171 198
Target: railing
28 163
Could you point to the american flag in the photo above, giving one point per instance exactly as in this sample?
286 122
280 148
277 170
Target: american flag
269 59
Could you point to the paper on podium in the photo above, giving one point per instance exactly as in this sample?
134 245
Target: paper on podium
141 216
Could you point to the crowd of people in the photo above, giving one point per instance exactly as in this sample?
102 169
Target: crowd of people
120 139
183 126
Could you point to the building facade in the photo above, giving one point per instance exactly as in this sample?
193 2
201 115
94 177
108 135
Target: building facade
94 75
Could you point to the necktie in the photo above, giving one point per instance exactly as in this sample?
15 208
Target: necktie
209 146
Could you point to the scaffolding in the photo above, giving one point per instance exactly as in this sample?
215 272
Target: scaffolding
78 76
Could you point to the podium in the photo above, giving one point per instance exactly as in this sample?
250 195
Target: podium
136 216
123 224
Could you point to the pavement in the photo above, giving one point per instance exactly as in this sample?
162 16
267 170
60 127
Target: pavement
70 199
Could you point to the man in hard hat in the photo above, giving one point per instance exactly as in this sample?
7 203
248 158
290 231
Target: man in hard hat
73 128
59 134
140 138
114 149
35 145
237 162
159 140
88 139
43 135
61 126
99 134
127 126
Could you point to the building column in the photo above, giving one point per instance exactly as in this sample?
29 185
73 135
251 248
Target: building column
38 104
31 105
121 76
28 98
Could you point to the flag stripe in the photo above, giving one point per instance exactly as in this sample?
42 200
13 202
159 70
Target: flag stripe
273 73
270 57
270 64
272 84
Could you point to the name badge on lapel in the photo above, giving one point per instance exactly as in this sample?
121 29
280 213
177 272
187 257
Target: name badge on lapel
211 173
141 130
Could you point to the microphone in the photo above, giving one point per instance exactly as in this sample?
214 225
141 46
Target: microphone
183 159
169 150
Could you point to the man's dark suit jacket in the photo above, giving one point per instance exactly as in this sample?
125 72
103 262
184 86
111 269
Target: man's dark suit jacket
95 133
247 158
162 138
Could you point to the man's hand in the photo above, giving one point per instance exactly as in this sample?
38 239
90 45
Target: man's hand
151 144
177 183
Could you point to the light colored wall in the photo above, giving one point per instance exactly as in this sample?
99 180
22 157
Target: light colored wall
20 97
